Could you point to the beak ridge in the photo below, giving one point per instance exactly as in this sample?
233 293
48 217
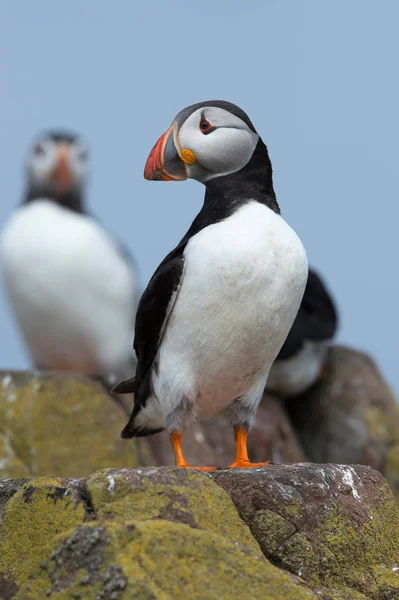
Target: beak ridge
61 173
164 162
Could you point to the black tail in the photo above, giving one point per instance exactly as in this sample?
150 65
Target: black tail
140 398
131 430
125 387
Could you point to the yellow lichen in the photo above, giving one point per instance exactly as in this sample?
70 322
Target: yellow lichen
381 425
64 426
362 550
170 493
160 560
38 512
392 468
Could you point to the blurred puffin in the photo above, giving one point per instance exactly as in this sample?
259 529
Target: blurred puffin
71 287
239 271
300 361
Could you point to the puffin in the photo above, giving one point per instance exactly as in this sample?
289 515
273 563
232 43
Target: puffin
300 362
239 272
72 288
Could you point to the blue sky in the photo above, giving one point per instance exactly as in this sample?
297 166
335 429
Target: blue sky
318 79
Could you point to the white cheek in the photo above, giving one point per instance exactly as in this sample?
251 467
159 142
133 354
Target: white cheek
41 165
78 168
224 150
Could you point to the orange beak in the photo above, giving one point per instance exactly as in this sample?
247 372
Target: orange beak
61 174
164 162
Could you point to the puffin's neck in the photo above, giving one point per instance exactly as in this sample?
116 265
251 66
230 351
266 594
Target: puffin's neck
72 200
253 182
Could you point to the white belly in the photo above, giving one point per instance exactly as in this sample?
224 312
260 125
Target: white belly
71 291
295 375
243 283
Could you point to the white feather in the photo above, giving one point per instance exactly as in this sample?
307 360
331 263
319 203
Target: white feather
294 375
243 284
72 292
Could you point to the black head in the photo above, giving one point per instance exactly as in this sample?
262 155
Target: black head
57 169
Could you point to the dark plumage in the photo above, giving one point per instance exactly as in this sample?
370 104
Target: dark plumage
317 319
301 358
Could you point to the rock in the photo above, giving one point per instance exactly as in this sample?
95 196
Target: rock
212 443
62 425
327 532
177 495
138 560
133 534
336 527
351 417
33 514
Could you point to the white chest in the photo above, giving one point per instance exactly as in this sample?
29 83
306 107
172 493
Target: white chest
296 374
71 291
243 283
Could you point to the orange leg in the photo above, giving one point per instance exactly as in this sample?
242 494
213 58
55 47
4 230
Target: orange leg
175 438
242 461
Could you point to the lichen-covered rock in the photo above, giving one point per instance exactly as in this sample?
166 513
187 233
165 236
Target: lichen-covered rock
327 532
62 425
212 443
32 514
157 559
177 495
132 534
337 527
350 417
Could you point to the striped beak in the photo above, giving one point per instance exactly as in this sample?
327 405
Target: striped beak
164 162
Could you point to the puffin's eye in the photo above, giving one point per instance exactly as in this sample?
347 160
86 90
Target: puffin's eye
38 150
205 126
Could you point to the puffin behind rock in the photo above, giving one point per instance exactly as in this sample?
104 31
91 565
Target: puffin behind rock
238 273
300 361
71 287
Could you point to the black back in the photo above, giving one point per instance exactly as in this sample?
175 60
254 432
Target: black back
316 320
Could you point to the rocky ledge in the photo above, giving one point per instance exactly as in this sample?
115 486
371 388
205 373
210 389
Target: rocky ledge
282 532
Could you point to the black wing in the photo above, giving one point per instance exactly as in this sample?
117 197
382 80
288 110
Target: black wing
153 312
316 320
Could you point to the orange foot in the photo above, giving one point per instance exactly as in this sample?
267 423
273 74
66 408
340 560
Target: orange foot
242 461
175 438
203 469
246 464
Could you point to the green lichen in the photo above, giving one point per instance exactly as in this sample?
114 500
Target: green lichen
271 530
372 547
380 424
180 495
392 468
10 464
159 560
36 513
300 555
341 594
61 425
